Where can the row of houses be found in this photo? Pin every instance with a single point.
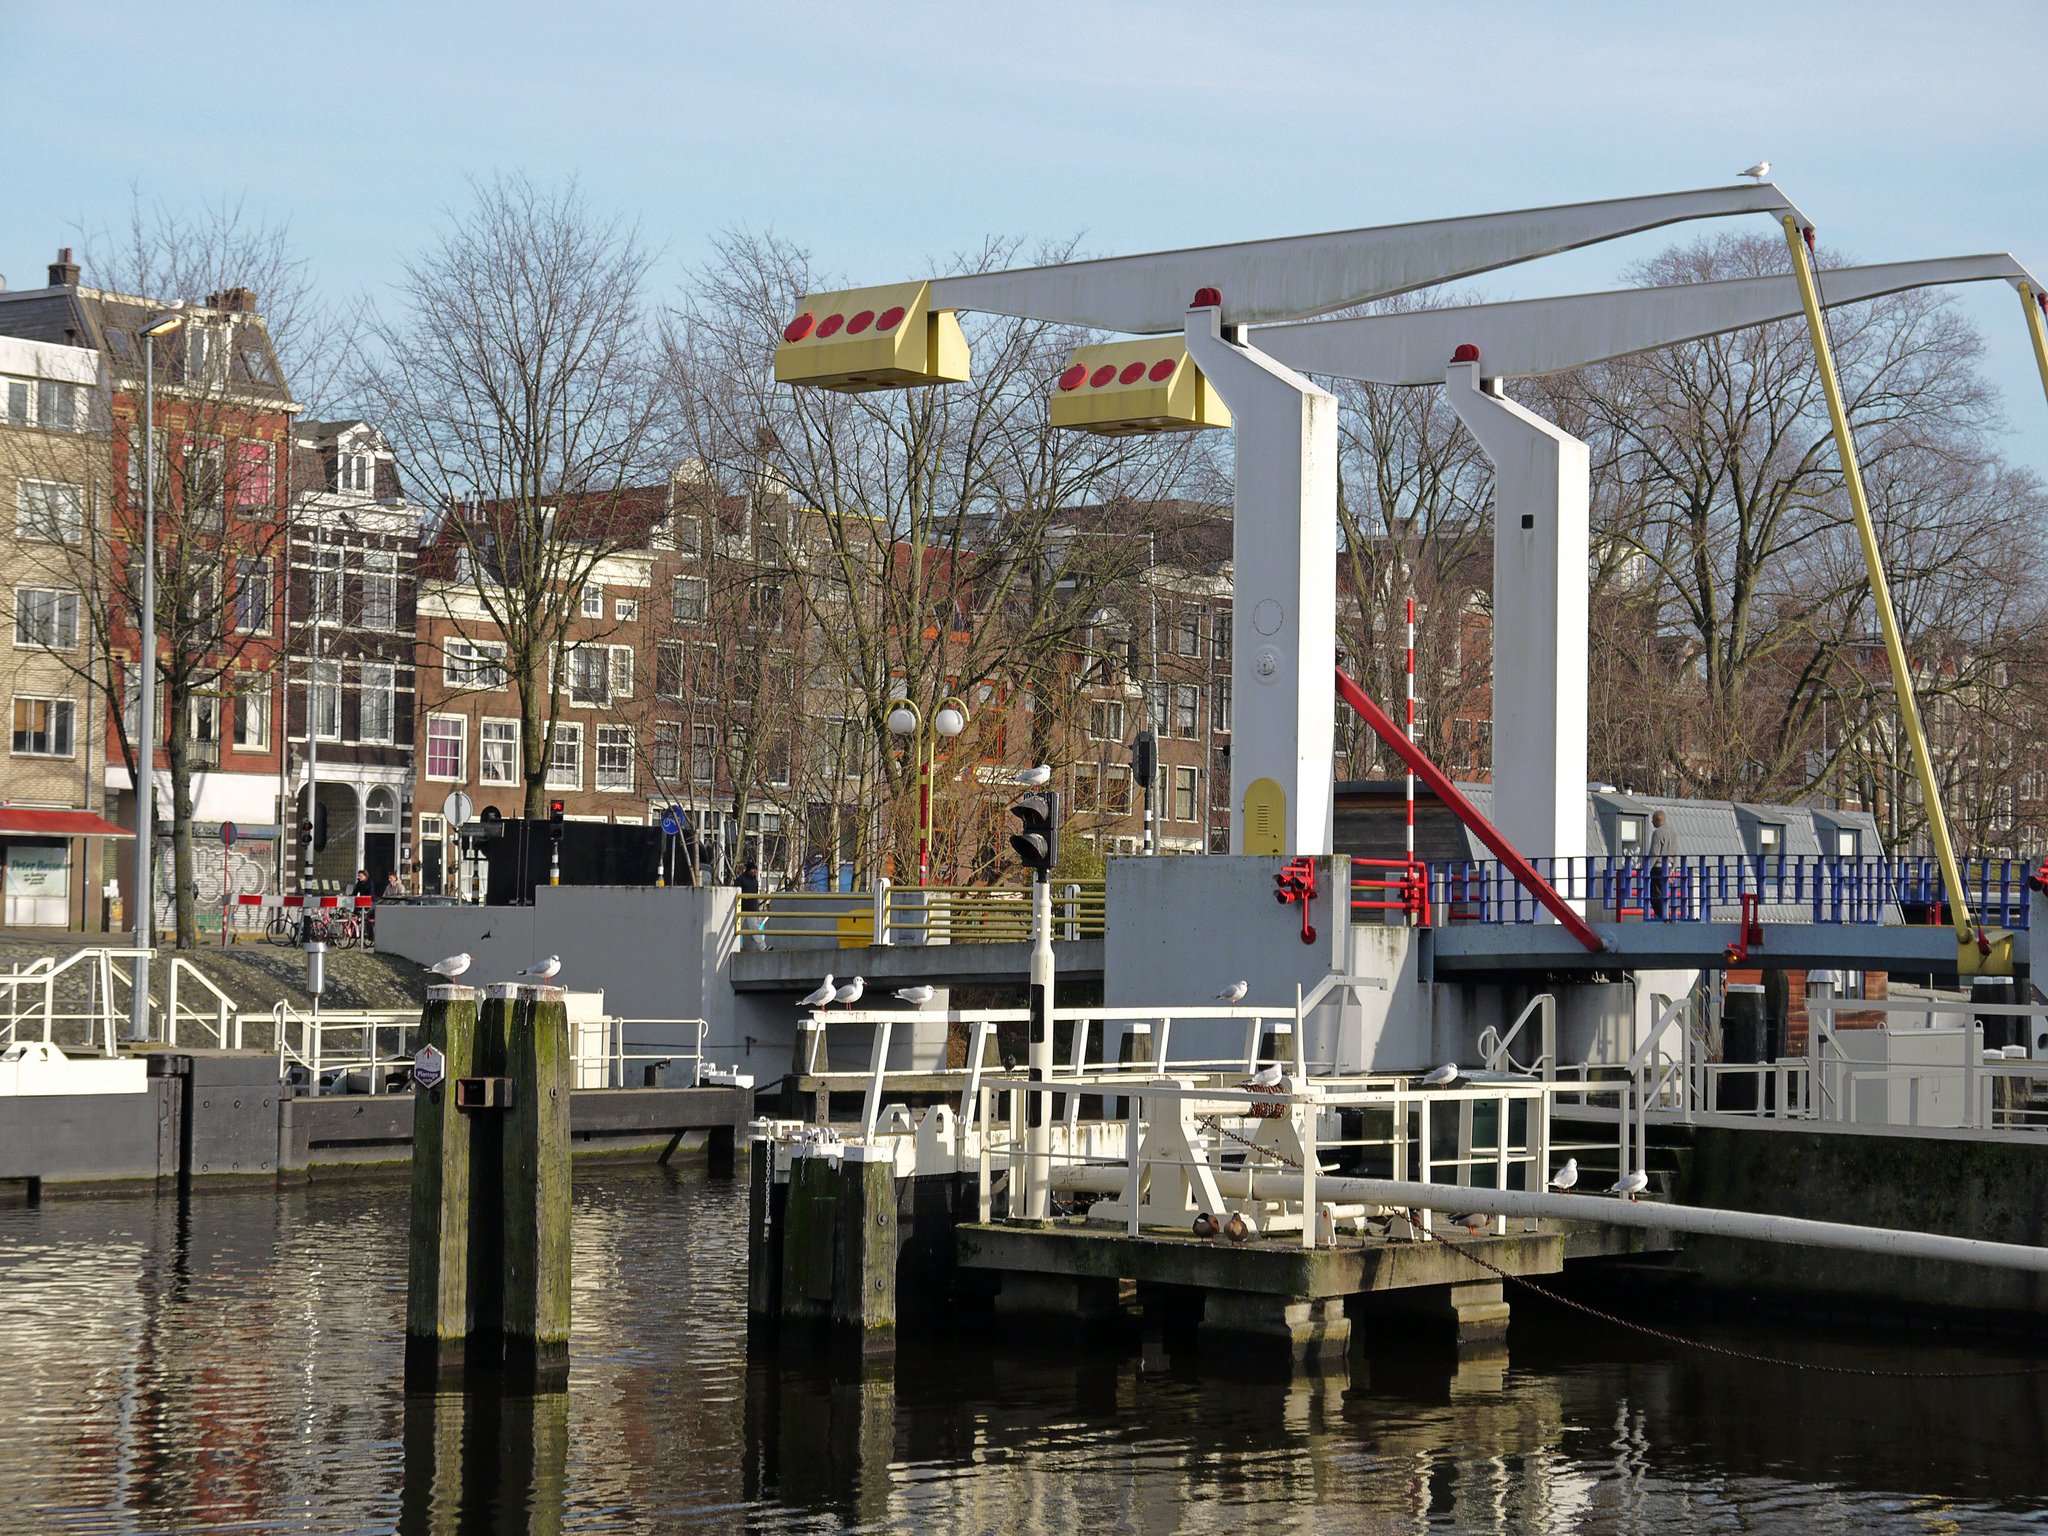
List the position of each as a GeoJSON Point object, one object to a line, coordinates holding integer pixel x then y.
{"type": "Point", "coordinates": [327, 659]}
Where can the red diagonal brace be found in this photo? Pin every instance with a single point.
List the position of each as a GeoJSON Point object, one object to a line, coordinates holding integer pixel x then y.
{"type": "Point", "coordinates": [1466, 812]}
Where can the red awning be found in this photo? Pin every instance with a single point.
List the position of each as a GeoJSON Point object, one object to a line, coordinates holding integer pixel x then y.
{"type": "Point", "coordinates": [15, 822]}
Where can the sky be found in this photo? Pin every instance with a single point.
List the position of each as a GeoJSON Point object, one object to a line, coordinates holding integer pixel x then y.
{"type": "Point", "coordinates": [885, 137]}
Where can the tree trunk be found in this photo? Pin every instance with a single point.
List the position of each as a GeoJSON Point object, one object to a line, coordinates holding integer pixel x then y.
{"type": "Point", "coordinates": [179, 749]}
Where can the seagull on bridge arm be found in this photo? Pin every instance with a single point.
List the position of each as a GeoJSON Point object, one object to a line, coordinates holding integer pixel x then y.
{"type": "Point", "coordinates": [917, 997]}
{"type": "Point", "coordinates": [851, 992]}
{"type": "Point", "coordinates": [1234, 993]}
{"type": "Point", "coordinates": [1566, 1176]}
{"type": "Point", "coordinates": [1630, 1184]}
{"type": "Point", "coordinates": [1441, 1077]}
{"type": "Point", "coordinates": [1757, 172]}
{"type": "Point", "coordinates": [1267, 1077]}
{"type": "Point", "coordinates": [819, 996]}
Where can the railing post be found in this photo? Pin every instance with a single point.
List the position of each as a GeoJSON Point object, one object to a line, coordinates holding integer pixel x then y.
{"type": "Point", "coordinates": [881, 919]}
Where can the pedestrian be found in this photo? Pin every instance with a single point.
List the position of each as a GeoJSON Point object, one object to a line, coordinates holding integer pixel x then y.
{"type": "Point", "coordinates": [367, 916]}
{"type": "Point", "coordinates": [817, 874]}
{"type": "Point", "coordinates": [753, 918]}
{"type": "Point", "coordinates": [1663, 845]}
{"type": "Point", "coordinates": [393, 886]}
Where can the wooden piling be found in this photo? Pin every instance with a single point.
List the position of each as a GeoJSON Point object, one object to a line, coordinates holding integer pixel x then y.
{"type": "Point", "coordinates": [810, 1212]}
{"type": "Point", "coordinates": [864, 1248]}
{"type": "Point", "coordinates": [766, 1213]}
{"type": "Point", "coordinates": [535, 1198]}
{"type": "Point", "coordinates": [437, 1302]}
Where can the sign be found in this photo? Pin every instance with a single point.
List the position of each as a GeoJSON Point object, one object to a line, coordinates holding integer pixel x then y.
{"type": "Point", "coordinates": [228, 834]}
{"type": "Point", "coordinates": [38, 869]}
{"type": "Point", "coordinates": [673, 821]}
{"type": "Point", "coordinates": [458, 807]}
{"type": "Point", "coordinates": [429, 1066]}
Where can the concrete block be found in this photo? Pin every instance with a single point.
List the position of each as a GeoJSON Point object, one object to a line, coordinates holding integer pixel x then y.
{"type": "Point", "coordinates": [1090, 1298]}
{"type": "Point", "coordinates": [1302, 1331]}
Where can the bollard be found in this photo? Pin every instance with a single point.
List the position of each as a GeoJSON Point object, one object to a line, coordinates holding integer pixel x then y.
{"type": "Point", "coordinates": [535, 1192]}
{"type": "Point", "coordinates": [437, 1310]}
{"type": "Point", "coordinates": [810, 1211]}
{"type": "Point", "coordinates": [864, 1248]}
{"type": "Point", "coordinates": [766, 1209]}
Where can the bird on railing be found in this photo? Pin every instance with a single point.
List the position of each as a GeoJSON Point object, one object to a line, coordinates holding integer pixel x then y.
{"type": "Point", "coordinates": [543, 970]}
{"type": "Point", "coordinates": [1630, 1184]}
{"type": "Point", "coordinates": [452, 967]}
{"type": "Point", "coordinates": [819, 995]}
{"type": "Point", "coordinates": [917, 997]}
{"type": "Point", "coordinates": [1567, 1176]}
{"type": "Point", "coordinates": [1234, 993]}
{"type": "Point", "coordinates": [1265, 1077]}
{"type": "Point", "coordinates": [851, 992]}
{"type": "Point", "coordinates": [1034, 777]}
{"type": "Point", "coordinates": [1441, 1077]}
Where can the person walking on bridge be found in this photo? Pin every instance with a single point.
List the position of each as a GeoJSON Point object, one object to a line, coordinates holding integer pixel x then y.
{"type": "Point", "coordinates": [1663, 846]}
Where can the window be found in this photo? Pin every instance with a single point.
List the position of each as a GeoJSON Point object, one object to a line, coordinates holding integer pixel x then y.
{"type": "Point", "coordinates": [1106, 721]}
{"type": "Point", "coordinates": [703, 744]}
{"type": "Point", "coordinates": [1222, 635]}
{"type": "Point", "coordinates": [1188, 633]}
{"type": "Point", "coordinates": [252, 596]}
{"type": "Point", "coordinates": [1628, 835]}
{"type": "Point", "coordinates": [590, 668]}
{"type": "Point", "coordinates": [1087, 786]}
{"type": "Point", "coordinates": [205, 357]}
{"type": "Point", "coordinates": [689, 599]}
{"type": "Point", "coordinates": [497, 752]}
{"type": "Point", "coordinates": [206, 484]}
{"type": "Point", "coordinates": [1116, 789]}
{"type": "Point", "coordinates": [686, 535]}
{"type": "Point", "coordinates": [1769, 839]}
{"type": "Point", "coordinates": [49, 509]}
{"type": "Point", "coordinates": [565, 766]}
{"type": "Point", "coordinates": [1187, 709]}
{"type": "Point", "coordinates": [615, 757]}
{"type": "Point", "coordinates": [622, 671]}
{"type": "Point", "coordinates": [668, 669]}
{"type": "Point", "coordinates": [380, 590]}
{"type": "Point", "coordinates": [1848, 843]}
{"type": "Point", "coordinates": [473, 664]}
{"type": "Point", "coordinates": [627, 610]}
{"type": "Point", "coordinates": [768, 605]}
{"type": "Point", "coordinates": [593, 601]}
{"type": "Point", "coordinates": [205, 727]}
{"type": "Point", "coordinates": [45, 618]}
{"type": "Point", "coordinates": [379, 701]}
{"type": "Point", "coordinates": [17, 402]}
{"type": "Point", "coordinates": [252, 486]}
{"type": "Point", "coordinates": [1183, 794]}
{"type": "Point", "coordinates": [327, 699]}
{"type": "Point", "coordinates": [447, 735]}
{"type": "Point", "coordinates": [56, 405]}
{"type": "Point", "coordinates": [326, 586]}
{"type": "Point", "coordinates": [1220, 716]}
{"type": "Point", "coordinates": [42, 727]}
{"type": "Point", "coordinates": [252, 720]}
{"type": "Point", "coordinates": [668, 752]}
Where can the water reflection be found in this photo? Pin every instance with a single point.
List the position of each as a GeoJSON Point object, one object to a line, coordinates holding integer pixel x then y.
{"type": "Point", "coordinates": [235, 1364]}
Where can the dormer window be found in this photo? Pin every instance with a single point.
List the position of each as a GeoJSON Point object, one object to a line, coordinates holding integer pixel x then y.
{"type": "Point", "coordinates": [354, 472]}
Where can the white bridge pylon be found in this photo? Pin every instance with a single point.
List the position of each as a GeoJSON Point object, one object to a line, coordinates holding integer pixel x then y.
{"type": "Point", "coordinates": [1284, 548]}
{"type": "Point", "coordinates": [1542, 506]}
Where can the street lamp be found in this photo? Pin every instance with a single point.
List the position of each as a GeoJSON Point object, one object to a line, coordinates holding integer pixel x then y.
{"type": "Point", "coordinates": [904, 719]}
{"type": "Point", "coordinates": [160, 324]}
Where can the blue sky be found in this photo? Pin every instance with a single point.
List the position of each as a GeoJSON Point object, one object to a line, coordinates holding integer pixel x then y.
{"type": "Point", "coordinates": [884, 136]}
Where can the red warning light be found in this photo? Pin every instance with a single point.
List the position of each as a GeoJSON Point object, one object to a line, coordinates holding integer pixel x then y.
{"type": "Point", "coordinates": [1102, 376]}
{"type": "Point", "coordinates": [1074, 376]}
{"type": "Point", "coordinates": [798, 328]}
{"type": "Point", "coordinates": [1163, 368]}
{"type": "Point", "coordinates": [1207, 298]}
{"type": "Point", "coordinates": [831, 326]}
{"type": "Point", "coordinates": [860, 322]}
{"type": "Point", "coordinates": [1466, 354]}
{"type": "Point", "coordinates": [891, 318]}
{"type": "Point", "coordinates": [1131, 374]}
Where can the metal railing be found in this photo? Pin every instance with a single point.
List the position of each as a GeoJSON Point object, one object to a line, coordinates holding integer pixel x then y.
{"type": "Point", "coordinates": [888, 913]}
{"type": "Point", "coordinates": [1710, 888]}
{"type": "Point", "coordinates": [32, 1000]}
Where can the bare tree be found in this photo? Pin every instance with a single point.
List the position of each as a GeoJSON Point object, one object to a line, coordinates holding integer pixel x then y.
{"type": "Point", "coordinates": [514, 383]}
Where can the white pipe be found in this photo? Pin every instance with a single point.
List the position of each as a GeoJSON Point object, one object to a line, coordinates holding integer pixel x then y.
{"type": "Point", "coordinates": [1749, 1226]}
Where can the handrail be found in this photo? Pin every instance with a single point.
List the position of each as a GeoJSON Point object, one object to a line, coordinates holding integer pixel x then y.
{"type": "Point", "coordinates": [1498, 1051]}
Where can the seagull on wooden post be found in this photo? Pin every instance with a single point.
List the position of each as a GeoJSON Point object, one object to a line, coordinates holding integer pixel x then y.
{"type": "Point", "coordinates": [452, 967]}
{"type": "Point", "coordinates": [820, 995]}
{"type": "Point", "coordinates": [543, 970]}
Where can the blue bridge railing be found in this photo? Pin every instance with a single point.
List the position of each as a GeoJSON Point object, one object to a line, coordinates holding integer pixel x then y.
{"type": "Point", "coordinates": [1698, 888]}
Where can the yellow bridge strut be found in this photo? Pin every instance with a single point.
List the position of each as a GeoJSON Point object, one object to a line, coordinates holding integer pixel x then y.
{"type": "Point", "coordinates": [1975, 951]}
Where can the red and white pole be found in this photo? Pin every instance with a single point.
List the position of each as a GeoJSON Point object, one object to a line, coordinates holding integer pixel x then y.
{"type": "Point", "coordinates": [1411, 742]}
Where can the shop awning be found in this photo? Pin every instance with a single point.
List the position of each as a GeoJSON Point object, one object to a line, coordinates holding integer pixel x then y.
{"type": "Point", "coordinates": [15, 822]}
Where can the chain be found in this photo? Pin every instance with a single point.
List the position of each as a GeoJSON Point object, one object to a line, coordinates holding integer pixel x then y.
{"type": "Point", "coordinates": [1215, 1123]}
{"type": "Point", "coordinates": [1415, 1224]}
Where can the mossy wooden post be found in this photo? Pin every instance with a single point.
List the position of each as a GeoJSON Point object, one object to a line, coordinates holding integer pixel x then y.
{"type": "Point", "coordinates": [490, 1059]}
{"type": "Point", "coordinates": [864, 1249]}
{"type": "Point", "coordinates": [437, 1297]}
{"type": "Point", "coordinates": [767, 1212]}
{"type": "Point", "coordinates": [810, 1212]}
{"type": "Point", "coordinates": [536, 1191]}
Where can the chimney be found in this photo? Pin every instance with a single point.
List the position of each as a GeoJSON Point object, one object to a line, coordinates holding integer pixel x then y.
{"type": "Point", "coordinates": [63, 271]}
{"type": "Point", "coordinates": [232, 301]}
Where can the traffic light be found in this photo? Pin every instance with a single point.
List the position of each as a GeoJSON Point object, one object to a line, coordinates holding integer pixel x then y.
{"type": "Point", "coordinates": [1038, 841]}
{"type": "Point", "coordinates": [305, 834]}
{"type": "Point", "coordinates": [557, 814]}
{"type": "Point", "coordinates": [319, 828]}
{"type": "Point", "coordinates": [1144, 760]}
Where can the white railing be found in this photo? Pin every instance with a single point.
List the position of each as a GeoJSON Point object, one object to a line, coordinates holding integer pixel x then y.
{"type": "Point", "coordinates": [32, 995]}
{"type": "Point", "coordinates": [224, 1018]}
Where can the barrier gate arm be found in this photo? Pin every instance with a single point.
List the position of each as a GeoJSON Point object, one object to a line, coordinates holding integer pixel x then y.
{"type": "Point", "coordinates": [2035, 303]}
{"type": "Point", "coordinates": [1967, 936]}
{"type": "Point", "coordinates": [1427, 771]}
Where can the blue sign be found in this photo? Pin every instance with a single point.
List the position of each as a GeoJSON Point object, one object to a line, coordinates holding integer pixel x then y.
{"type": "Point", "coordinates": [673, 821]}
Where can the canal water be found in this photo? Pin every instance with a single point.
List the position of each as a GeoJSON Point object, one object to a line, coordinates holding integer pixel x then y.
{"type": "Point", "coordinates": [233, 1365]}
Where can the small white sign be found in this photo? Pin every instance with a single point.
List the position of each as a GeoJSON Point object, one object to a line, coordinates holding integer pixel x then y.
{"type": "Point", "coordinates": [429, 1066]}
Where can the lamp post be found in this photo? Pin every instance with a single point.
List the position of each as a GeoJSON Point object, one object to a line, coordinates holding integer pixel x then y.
{"type": "Point", "coordinates": [161, 324]}
{"type": "Point", "coordinates": [948, 720]}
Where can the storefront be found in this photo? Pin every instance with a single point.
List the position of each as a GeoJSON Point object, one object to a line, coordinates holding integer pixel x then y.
{"type": "Point", "coordinates": [46, 874]}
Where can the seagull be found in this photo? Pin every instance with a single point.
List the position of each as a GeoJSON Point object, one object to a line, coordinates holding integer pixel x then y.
{"type": "Point", "coordinates": [916, 996]}
{"type": "Point", "coordinates": [454, 965]}
{"type": "Point", "coordinates": [1267, 1077]}
{"type": "Point", "coordinates": [543, 970]}
{"type": "Point", "coordinates": [850, 993]}
{"type": "Point", "coordinates": [1036, 776]}
{"type": "Point", "coordinates": [1629, 1185]}
{"type": "Point", "coordinates": [1234, 993]}
{"type": "Point", "coordinates": [1757, 172]}
{"type": "Point", "coordinates": [1474, 1223]}
{"type": "Point", "coordinates": [819, 996]}
{"type": "Point", "coordinates": [1442, 1076]}
{"type": "Point", "coordinates": [1567, 1176]}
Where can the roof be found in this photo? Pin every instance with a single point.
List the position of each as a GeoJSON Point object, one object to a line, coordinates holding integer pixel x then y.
{"type": "Point", "coordinates": [26, 823]}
